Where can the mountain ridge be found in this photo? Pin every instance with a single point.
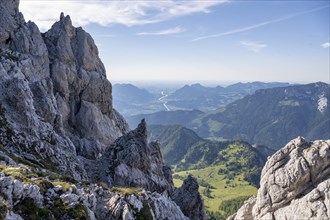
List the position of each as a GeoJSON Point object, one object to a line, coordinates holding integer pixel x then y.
{"type": "Point", "coordinates": [261, 118]}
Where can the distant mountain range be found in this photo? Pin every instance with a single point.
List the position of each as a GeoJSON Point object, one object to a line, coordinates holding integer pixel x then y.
{"type": "Point", "coordinates": [268, 117]}
{"type": "Point", "coordinates": [206, 99]}
{"type": "Point", "coordinates": [131, 100]}
{"type": "Point", "coordinates": [271, 117]}
{"type": "Point", "coordinates": [179, 117]}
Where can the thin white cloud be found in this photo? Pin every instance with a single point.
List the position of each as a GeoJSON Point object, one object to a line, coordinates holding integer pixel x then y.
{"type": "Point", "coordinates": [45, 13]}
{"type": "Point", "coordinates": [253, 46]}
{"type": "Point", "coordinates": [326, 45]}
{"type": "Point", "coordinates": [251, 27]}
{"type": "Point", "coordinates": [175, 30]}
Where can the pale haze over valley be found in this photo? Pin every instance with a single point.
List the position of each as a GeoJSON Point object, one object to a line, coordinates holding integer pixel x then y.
{"type": "Point", "coordinates": [223, 40]}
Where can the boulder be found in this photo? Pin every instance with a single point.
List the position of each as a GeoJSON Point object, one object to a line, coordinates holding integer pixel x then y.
{"type": "Point", "coordinates": [295, 184]}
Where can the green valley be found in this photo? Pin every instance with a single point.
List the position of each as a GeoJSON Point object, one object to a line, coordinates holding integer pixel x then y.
{"type": "Point", "coordinates": [228, 172]}
{"type": "Point", "coordinates": [217, 189]}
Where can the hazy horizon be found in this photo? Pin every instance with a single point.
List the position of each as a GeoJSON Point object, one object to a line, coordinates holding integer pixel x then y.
{"type": "Point", "coordinates": [209, 83]}
{"type": "Point", "coordinates": [216, 40]}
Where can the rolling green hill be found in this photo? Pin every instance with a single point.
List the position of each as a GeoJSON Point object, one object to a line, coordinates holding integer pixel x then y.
{"type": "Point", "coordinates": [176, 141]}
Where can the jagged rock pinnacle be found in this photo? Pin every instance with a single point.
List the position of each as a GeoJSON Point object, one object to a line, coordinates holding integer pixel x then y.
{"type": "Point", "coordinates": [142, 128]}
{"type": "Point", "coordinates": [189, 199]}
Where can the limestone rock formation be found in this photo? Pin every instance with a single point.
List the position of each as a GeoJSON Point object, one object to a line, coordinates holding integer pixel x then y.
{"type": "Point", "coordinates": [189, 199]}
{"type": "Point", "coordinates": [60, 137]}
{"type": "Point", "coordinates": [132, 161]}
{"type": "Point", "coordinates": [55, 97]}
{"type": "Point", "coordinates": [51, 199]}
{"type": "Point", "coordinates": [295, 184]}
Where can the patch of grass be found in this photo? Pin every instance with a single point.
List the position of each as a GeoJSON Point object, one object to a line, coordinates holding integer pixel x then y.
{"type": "Point", "coordinates": [22, 173]}
{"type": "Point", "coordinates": [58, 208]}
{"type": "Point", "coordinates": [60, 211]}
{"type": "Point", "coordinates": [44, 185]}
{"type": "Point", "coordinates": [79, 212]}
{"type": "Point", "coordinates": [127, 190]}
{"type": "Point", "coordinates": [27, 209]}
{"type": "Point", "coordinates": [43, 213]}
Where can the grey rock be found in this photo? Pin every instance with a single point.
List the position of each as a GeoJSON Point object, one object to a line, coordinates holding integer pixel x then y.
{"type": "Point", "coordinates": [52, 82]}
{"type": "Point", "coordinates": [12, 216]}
{"type": "Point", "coordinates": [8, 20]}
{"type": "Point", "coordinates": [135, 202]}
{"type": "Point", "coordinates": [189, 199]}
{"type": "Point", "coordinates": [245, 212]}
{"type": "Point", "coordinates": [6, 159]}
{"type": "Point", "coordinates": [295, 183]}
{"type": "Point", "coordinates": [82, 92]}
{"type": "Point", "coordinates": [70, 198]}
{"type": "Point", "coordinates": [131, 161]}
{"type": "Point", "coordinates": [164, 208]}
{"type": "Point", "coordinates": [14, 191]}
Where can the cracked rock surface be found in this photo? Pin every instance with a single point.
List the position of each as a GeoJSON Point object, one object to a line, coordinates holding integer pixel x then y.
{"type": "Point", "coordinates": [295, 184]}
{"type": "Point", "coordinates": [64, 150]}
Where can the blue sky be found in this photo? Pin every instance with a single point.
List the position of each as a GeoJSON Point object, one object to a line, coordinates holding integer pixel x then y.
{"type": "Point", "coordinates": [223, 40]}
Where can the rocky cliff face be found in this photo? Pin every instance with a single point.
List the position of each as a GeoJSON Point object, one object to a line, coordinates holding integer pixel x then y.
{"type": "Point", "coordinates": [54, 87]}
{"type": "Point", "coordinates": [64, 149]}
{"type": "Point", "coordinates": [295, 184]}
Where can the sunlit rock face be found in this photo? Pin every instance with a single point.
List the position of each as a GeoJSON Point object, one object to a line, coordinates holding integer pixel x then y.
{"type": "Point", "coordinates": [63, 147]}
{"type": "Point", "coordinates": [55, 95]}
{"type": "Point", "coordinates": [295, 184]}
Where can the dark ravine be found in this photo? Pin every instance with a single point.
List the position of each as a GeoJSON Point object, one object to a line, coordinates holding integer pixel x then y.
{"type": "Point", "coordinates": [65, 152]}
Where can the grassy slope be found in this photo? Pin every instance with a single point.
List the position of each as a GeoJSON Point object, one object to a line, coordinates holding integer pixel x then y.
{"type": "Point", "coordinates": [223, 191]}
{"type": "Point", "coordinates": [224, 166]}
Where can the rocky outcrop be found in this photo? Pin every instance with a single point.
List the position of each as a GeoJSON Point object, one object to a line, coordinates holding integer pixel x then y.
{"type": "Point", "coordinates": [45, 198]}
{"type": "Point", "coordinates": [132, 161]}
{"type": "Point", "coordinates": [189, 199]}
{"type": "Point", "coordinates": [82, 93]}
{"type": "Point", "coordinates": [295, 184]}
{"type": "Point", "coordinates": [60, 137]}
{"type": "Point", "coordinates": [55, 100]}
